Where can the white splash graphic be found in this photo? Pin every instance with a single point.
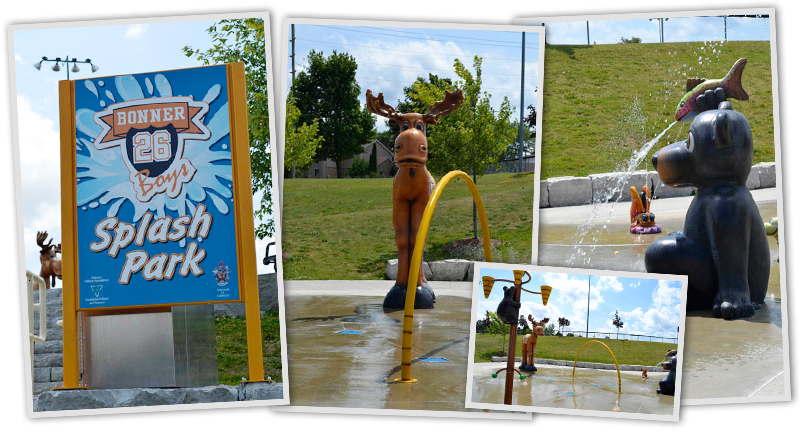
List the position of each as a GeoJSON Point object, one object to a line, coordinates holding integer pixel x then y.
{"type": "Point", "coordinates": [103, 175]}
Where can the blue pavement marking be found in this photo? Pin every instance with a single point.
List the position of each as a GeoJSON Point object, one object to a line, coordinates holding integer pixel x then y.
{"type": "Point", "coordinates": [434, 359]}
{"type": "Point", "coordinates": [350, 332]}
{"type": "Point", "coordinates": [570, 393]}
{"type": "Point", "coordinates": [596, 385]}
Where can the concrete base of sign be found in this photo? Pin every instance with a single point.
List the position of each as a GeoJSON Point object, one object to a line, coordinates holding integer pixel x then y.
{"type": "Point", "coordinates": [64, 400]}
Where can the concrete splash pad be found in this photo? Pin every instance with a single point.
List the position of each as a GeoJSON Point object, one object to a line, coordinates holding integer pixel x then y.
{"type": "Point", "coordinates": [357, 368]}
{"type": "Point", "coordinates": [722, 359]}
{"type": "Point", "coordinates": [591, 389]}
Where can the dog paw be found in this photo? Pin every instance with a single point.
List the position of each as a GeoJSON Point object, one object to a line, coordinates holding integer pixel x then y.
{"type": "Point", "coordinates": [732, 308]}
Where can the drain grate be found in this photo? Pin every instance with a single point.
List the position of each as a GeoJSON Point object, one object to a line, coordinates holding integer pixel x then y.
{"type": "Point", "coordinates": [350, 332]}
{"type": "Point", "coordinates": [434, 359]}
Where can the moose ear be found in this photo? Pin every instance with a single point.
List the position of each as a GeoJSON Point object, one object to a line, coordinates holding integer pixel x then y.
{"type": "Point", "coordinates": [723, 136]}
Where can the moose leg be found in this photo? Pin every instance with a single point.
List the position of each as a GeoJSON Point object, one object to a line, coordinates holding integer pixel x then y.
{"type": "Point", "coordinates": [396, 298]}
{"type": "Point", "coordinates": [524, 353]}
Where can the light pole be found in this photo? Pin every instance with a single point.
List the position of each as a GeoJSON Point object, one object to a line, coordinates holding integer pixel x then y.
{"type": "Point", "coordinates": [488, 282]}
{"type": "Point", "coordinates": [58, 61]}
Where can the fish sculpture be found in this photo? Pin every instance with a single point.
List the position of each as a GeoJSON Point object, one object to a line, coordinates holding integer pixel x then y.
{"type": "Point", "coordinates": [732, 84]}
{"type": "Point", "coordinates": [642, 220]}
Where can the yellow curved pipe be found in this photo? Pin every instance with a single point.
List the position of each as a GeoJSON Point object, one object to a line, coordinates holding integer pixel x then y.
{"type": "Point", "coordinates": [416, 261]}
{"type": "Point", "coordinates": [619, 375]}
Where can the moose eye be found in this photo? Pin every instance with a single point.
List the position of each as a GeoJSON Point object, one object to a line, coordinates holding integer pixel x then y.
{"type": "Point", "coordinates": [405, 126]}
{"type": "Point", "coordinates": [419, 126]}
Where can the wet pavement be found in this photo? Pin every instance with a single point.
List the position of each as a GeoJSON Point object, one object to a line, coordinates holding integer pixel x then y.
{"type": "Point", "coordinates": [357, 368]}
{"type": "Point", "coordinates": [722, 359]}
{"type": "Point", "coordinates": [591, 389]}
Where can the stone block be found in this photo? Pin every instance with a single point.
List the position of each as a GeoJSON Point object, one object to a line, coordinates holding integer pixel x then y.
{"type": "Point", "coordinates": [754, 179]}
{"type": "Point", "coordinates": [450, 269]}
{"type": "Point", "coordinates": [41, 374]}
{"type": "Point", "coordinates": [210, 394]}
{"type": "Point", "coordinates": [260, 391]}
{"type": "Point", "coordinates": [569, 191]}
{"type": "Point", "coordinates": [50, 346]}
{"type": "Point", "coordinates": [663, 191]}
{"type": "Point", "coordinates": [48, 360]}
{"type": "Point", "coordinates": [41, 387]}
{"type": "Point", "coordinates": [391, 270]}
{"type": "Point", "coordinates": [544, 196]}
{"type": "Point", "coordinates": [471, 271]}
{"type": "Point", "coordinates": [56, 374]}
{"type": "Point", "coordinates": [610, 187]}
{"type": "Point", "coordinates": [767, 174]}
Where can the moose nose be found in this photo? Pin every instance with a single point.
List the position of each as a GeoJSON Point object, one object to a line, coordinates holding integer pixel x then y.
{"type": "Point", "coordinates": [655, 161]}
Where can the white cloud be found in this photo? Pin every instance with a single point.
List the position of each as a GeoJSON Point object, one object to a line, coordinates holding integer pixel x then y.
{"type": "Point", "coordinates": [19, 59]}
{"type": "Point", "coordinates": [609, 283]}
{"type": "Point", "coordinates": [39, 170]}
{"type": "Point", "coordinates": [135, 31]}
{"type": "Point", "coordinates": [573, 291]}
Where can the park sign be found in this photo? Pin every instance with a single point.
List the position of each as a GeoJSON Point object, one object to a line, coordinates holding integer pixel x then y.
{"type": "Point", "coordinates": [156, 202]}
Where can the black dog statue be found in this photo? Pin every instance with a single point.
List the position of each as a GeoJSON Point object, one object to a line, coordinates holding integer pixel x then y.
{"type": "Point", "coordinates": [667, 385]}
{"type": "Point", "coordinates": [508, 309]}
{"type": "Point", "coordinates": [723, 246]}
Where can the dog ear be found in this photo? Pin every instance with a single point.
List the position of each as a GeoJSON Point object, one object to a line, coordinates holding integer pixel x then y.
{"type": "Point", "coordinates": [723, 136]}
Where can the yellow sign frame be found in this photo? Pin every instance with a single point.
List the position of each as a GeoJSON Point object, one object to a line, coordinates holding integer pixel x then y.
{"type": "Point", "coordinates": [245, 229]}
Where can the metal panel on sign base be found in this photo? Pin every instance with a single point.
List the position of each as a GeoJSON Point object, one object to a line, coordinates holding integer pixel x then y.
{"type": "Point", "coordinates": [129, 351]}
{"type": "Point", "coordinates": [195, 346]}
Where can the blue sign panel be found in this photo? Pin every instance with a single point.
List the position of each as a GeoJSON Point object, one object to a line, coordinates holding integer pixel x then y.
{"type": "Point", "coordinates": [155, 213]}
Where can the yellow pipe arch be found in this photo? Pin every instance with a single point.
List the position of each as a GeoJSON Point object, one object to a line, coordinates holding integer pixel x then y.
{"type": "Point", "coordinates": [416, 261]}
{"type": "Point", "coordinates": [619, 375]}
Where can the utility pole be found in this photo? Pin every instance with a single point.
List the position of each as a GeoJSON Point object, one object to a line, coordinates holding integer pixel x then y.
{"type": "Point", "coordinates": [292, 87]}
{"type": "Point", "coordinates": [587, 33]}
{"type": "Point", "coordinates": [588, 296]}
{"type": "Point", "coordinates": [725, 20]}
{"type": "Point", "coordinates": [293, 70]}
{"type": "Point", "coordinates": [522, 108]}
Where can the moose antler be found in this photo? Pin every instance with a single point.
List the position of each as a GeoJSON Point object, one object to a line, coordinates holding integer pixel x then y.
{"type": "Point", "coordinates": [451, 101]}
{"type": "Point", "coordinates": [41, 236]}
{"type": "Point", "coordinates": [381, 108]}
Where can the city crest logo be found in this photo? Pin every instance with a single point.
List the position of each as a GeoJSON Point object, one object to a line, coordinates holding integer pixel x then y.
{"type": "Point", "coordinates": [151, 134]}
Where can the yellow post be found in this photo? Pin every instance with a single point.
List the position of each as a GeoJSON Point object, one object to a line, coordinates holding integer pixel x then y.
{"type": "Point", "coordinates": [416, 261]}
{"type": "Point", "coordinates": [240, 161]}
{"type": "Point", "coordinates": [69, 233]}
{"type": "Point", "coordinates": [619, 375]}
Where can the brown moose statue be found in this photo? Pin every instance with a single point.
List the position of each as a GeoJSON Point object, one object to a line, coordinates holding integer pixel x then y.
{"type": "Point", "coordinates": [50, 259]}
{"type": "Point", "coordinates": [411, 189]}
{"type": "Point", "coordinates": [529, 344]}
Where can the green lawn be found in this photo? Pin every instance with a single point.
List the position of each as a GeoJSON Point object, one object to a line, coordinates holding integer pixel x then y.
{"type": "Point", "coordinates": [566, 348]}
{"type": "Point", "coordinates": [232, 347]}
{"type": "Point", "coordinates": [591, 120]}
{"type": "Point", "coordinates": [342, 228]}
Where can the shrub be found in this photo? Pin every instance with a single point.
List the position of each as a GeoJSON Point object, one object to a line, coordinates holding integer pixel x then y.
{"type": "Point", "coordinates": [359, 168]}
{"type": "Point", "coordinates": [570, 335]}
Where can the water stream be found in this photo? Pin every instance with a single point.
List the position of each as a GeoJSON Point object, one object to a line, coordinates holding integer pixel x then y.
{"type": "Point", "coordinates": [587, 230]}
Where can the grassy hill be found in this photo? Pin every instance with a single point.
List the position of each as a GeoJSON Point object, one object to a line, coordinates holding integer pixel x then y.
{"type": "Point", "coordinates": [603, 101]}
{"type": "Point", "coordinates": [566, 348]}
{"type": "Point", "coordinates": [342, 228]}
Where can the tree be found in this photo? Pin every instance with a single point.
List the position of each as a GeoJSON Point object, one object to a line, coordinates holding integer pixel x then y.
{"type": "Point", "coordinates": [524, 328]}
{"type": "Point", "coordinates": [301, 140]}
{"type": "Point", "coordinates": [633, 39]}
{"type": "Point", "coordinates": [327, 90]}
{"type": "Point", "coordinates": [373, 159]}
{"type": "Point", "coordinates": [550, 330]}
{"type": "Point", "coordinates": [617, 322]}
{"type": "Point", "coordinates": [563, 322]}
{"type": "Point", "coordinates": [498, 327]}
{"type": "Point", "coordinates": [242, 40]}
{"type": "Point", "coordinates": [473, 137]}
{"type": "Point", "coordinates": [359, 168]}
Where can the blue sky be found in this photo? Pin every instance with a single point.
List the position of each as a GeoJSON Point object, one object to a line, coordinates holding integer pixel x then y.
{"type": "Point", "coordinates": [120, 49]}
{"type": "Point", "coordinates": [678, 29]}
{"type": "Point", "coordinates": [390, 58]}
{"type": "Point", "coordinates": [646, 306]}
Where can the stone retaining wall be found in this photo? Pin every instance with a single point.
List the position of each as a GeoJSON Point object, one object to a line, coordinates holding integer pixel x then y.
{"type": "Point", "coordinates": [608, 187]}
{"type": "Point", "coordinates": [445, 270]}
{"type": "Point", "coordinates": [586, 365]}
{"type": "Point", "coordinates": [116, 398]}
